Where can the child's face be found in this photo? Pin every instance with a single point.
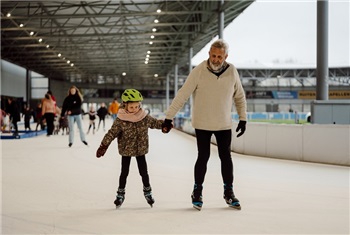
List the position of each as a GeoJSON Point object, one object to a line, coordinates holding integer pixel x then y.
{"type": "Point", "coordinates": [133, 107]}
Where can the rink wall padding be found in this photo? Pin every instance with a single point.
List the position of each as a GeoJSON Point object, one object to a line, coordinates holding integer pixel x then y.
{"type": "Point", "coordinates": [318, 143]}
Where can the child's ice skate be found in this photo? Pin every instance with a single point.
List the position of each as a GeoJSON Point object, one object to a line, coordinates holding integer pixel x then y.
{"type": "Point", "coordinates": [120, 197]}
{"type": "Point", "coordinates": [147, 191]}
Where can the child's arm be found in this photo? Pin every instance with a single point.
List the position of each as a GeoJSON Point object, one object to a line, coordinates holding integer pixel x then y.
{"type": "Point", "coordinates": [101, 150]}
{"type": "Point", "coordinates": [108, 138]}
{"type": "Point", "coordinates": [154, 123]}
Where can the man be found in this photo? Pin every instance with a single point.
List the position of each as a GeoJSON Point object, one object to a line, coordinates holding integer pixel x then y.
{"type": "Point", "coordinates": [113, 108]}
{"type": "Point", "coordinates": [214, 84]}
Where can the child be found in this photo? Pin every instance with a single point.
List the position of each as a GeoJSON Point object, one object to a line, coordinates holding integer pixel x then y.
{"type": "Point", "coordinates": [92, 116]}
{"type": "Point", "coordinates": [131, 129]}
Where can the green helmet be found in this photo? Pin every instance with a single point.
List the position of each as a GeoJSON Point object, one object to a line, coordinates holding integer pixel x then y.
{"type": "Point", "coordinates": [131, 95]}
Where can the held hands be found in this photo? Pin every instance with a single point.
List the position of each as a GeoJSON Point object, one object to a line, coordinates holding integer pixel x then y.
{"type": "Point", "coordinates": [167, 125]}
{"type": "Point", "coordinates": [241, 127]}
{"type": "Point", "coordinates": [101, 150]}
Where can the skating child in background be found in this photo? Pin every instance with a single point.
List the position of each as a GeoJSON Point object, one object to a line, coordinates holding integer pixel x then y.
{"type": "Point", "coordinates": [131, 129]}
{"type": "Point", "coordinates": [92, 117]}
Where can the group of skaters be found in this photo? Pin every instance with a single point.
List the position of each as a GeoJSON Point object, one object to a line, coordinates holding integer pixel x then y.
{"type": "Point", "coordinates": [101, 113]}
{"type": "Point", "coordinates": [43, 115]}
{"type": "Point", "coordinates": [48, 116]}
{"type": "Point", "coordinates": [214, 84]}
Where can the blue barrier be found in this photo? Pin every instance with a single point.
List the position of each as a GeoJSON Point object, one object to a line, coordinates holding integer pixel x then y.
{"type": "Point", "coordinates": [22, 134]}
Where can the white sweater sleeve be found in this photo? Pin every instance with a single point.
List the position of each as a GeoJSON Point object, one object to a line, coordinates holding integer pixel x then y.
{"type": "Point", "coordinates": [182, 95]}
{"type": "Point", "coordinates": [239, 99]}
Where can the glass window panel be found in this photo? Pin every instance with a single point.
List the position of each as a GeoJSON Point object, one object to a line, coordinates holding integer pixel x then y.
{"type": "Point", "coordinates": [40, 83]}
{"type": "Point", "coordinates": [38, 93]}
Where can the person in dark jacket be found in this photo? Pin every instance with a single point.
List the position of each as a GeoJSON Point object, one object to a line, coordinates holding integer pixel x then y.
{"type": "Point", "coordinates": [131, 129]}
{"type": "Point", "coordinates": [72, 108]}
{"type": "Point", "coordinates": [102, 113]}
{"type": "Point", "coordinates": [28, 113]}
{"type": "Point", "coordinates": [15, 115]}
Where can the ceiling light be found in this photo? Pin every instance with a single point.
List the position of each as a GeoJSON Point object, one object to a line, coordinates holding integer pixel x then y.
{"type": "Point", "coordinates": [124, 73]}
{"type": "Point", "coordinates": [156, 21]}
{"type": "Point", "coordinates": [59, 54]}
{"type": "Point", "coordinates": [40, 40]}
{"type": "Point", "coordinates": [47, 46]}
{"type": "Point", "coordinates": [155, 75]}
{"type": "Point", "coordinates": [68, 61]}
{"type": "Point", "coordinates": [146, 62]}
{"type": "Point", "coordinates": [72, 65]}
{"type": "Point", "coordinates": [21, 25]}
{"type": "Point", "coordinates": [8, 14]}
{"type": "Point", "coordinates": [146, 59]}
{"type": "Point", "coordinates": [154, 30]}
{"type": "Point", "coordinates": [31, 33]}
{"type": "Point", "coordinates": [147, 56]}
{"type": "Point", "coordinates": [152, 36]}
{"type": "Point", "coordinates": [159, 11]}
{"type": "Point", "coordinates": [148, 52]}
{"type": "Point", "coordinates": [150, 43]}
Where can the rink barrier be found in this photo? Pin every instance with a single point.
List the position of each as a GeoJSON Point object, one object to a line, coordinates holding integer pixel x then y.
{"type": "Point", "coordinates": [317, 143]}
{"type": "Point", "coordinates": [21, 135]}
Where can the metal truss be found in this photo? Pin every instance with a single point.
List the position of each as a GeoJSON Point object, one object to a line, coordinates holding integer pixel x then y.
{"type": "Point", "coordinates": [98, 41]}
{"type": "Point", "coordinates": [292, 77]}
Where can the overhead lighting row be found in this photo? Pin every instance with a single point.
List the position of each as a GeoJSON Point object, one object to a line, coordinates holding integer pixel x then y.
{"type": "Point", "coordinates": [148, 54]}
{"type": "Point", "coordinates": [40, 40]}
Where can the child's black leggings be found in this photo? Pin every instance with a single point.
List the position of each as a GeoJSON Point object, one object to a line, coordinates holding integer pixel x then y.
{"type": "Point", "coordinates": [142, 165]}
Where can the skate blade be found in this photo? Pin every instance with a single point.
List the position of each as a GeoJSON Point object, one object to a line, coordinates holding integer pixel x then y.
{"type": "Point", "coordinates": [150, 203]}
{"type": "Point", "coordinates": [237, 207]}
{"type": "Point", "coordinates": [197, 206]}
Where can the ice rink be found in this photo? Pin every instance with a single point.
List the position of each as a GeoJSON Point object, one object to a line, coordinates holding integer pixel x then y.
{"type": "Point", "coordinates": [49, 188]}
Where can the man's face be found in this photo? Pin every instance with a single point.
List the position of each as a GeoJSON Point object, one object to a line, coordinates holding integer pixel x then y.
{"type": "Point", "coordinates": [217, 58]}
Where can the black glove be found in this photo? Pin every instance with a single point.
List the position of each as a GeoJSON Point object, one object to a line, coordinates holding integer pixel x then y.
{"type": "Point", "coordinates": [167, 125]}
{"type": "Point", "coordinates": [241, 126]}
{"type": "Point", "coordinates": [101, 150]}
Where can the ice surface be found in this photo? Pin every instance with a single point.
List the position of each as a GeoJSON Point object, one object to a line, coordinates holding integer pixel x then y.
{"type": "Point", "coordinates": [49, 188]}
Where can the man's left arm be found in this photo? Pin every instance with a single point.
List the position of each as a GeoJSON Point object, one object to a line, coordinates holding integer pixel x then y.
{"type": "Point", "coordinates": [241, 106]}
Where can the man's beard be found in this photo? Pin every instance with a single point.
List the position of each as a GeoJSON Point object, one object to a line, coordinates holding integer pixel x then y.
{"type": "Point", "coordinates": [215, 67]}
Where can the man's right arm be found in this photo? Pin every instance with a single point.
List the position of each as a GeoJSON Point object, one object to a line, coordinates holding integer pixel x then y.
{"type": "Point", "coordinates": [182, 96]}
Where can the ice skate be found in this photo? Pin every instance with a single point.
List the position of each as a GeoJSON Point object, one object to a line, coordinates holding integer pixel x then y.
{"type": "Point", "coordinates": [119, 198]}
{"type": "Point", "coordinates": [147, 191]}
{"type": "Point", "coordinates": [230, 198]}
{"type": "Point", "coordinates": [196, 196]}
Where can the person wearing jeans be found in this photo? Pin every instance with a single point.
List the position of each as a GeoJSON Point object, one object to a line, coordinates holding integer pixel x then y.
{"type": "Point", "coordinates": [75, 119]}
{"type": "Point", "coordinates": [72, 108]}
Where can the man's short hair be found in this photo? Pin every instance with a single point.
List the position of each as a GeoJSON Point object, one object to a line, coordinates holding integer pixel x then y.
{"type": "Point", "coordinates": [221, 44]}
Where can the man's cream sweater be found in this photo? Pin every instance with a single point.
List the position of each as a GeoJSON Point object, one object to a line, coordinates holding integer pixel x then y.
{"type": "Point", "coordinates": [213, 98]}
